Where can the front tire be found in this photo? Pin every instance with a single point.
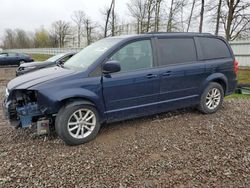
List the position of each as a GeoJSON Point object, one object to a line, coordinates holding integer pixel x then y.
{"type": "Point", "coordinates": [77, 124]}
{"type": "Point", "coordinates": [211, 98]}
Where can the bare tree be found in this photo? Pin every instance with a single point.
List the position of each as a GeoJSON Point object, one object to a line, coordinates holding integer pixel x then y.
{"type": "Point", "coordinates": [138, 11]}
{"type": "Point", "coordinates": [175, 20]}
{"type": "Point", "coordinates": [191, 15]}
{"type": "Point", "coordinates": [110, 19]}
{"type": "Point", "coordinates": [9, 39]}
{"type": "Point", "coordinates": [107, 14]}
{"type": "Point", "coordinates": [150, 5]}
{"type": "Point", "coordinates": [17, 38]}
{"type": "Point", "coordinates": [201, 15]}
{"type": "Point", "coordinates": [89, 27]}
{"type": "Point", "coordinates": [235, 19]}
{"type": "Point", "coordinates": [218, 16]}
{"type": "Point", "coordinates": [170, 17]}
{"type": "Point", "coordinates": [61, 30]}
{"type": "Point", "coordinates": [157, 14]}
{"type": "Point", "coordinates": [78, 17]}
{"type": "Point", "coordinates": [113, 18]}
{"type": "Point", "coordinates": [53, 40]}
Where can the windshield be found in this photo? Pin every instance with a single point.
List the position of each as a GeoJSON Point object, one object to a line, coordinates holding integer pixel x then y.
{"type": "Point", "coordinates": [55, 58]}
{"type": "Point", "coordinates": [87, 56]}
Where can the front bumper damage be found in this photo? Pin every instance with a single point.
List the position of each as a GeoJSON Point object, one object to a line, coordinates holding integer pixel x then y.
{"type": "Point", "coordinates": [22, 110]}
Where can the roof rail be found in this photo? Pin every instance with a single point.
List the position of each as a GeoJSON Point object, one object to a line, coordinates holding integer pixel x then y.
{"type": "Point", "coordinates": [191, 33]}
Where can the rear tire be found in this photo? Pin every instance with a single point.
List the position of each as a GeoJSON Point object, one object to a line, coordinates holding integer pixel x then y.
{"type": "Point", "coordinates": [211, 98]}
{"type": "Point", "coordinates": [77, 124]}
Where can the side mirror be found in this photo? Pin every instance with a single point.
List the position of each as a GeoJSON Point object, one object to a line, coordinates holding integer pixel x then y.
{"type": "Point", "coordinates": [111, 67]}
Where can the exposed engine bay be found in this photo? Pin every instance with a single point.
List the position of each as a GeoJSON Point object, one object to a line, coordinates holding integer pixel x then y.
{"type": "Point", "coordinates": [24, 111]}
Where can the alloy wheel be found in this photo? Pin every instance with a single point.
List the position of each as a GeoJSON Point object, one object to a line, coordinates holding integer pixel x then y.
{"type": "Point", "coordinates": [213, 98]}
{"type": "Point", "coordinates": [81, 123]}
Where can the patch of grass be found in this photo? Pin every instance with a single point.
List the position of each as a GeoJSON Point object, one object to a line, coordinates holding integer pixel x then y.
{"type": "Point", "coordinates": [238, 96]}
{"type": "Point", "coordinates": [244, 76]}
{"type": "Point", "coordinates": [40, 57]}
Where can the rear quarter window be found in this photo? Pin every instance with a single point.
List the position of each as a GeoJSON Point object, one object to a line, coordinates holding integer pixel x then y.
{"type": "Point", "coordinates": [213, 48]}
{"type": "Point", "coordinates": [176, 50]}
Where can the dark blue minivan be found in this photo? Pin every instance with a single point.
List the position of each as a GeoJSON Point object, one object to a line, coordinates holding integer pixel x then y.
{"type": "Point", "coordinates": [123, 77]}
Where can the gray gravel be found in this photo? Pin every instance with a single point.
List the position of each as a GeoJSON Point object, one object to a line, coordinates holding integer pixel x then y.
{"type": "Point", "coordinates": [176, 149]}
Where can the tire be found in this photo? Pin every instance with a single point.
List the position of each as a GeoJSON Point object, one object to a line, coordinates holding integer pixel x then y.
{"type": "Point", "coordinates": [69, 127]}
{"type": "Point", "coordinates": [211, 98]}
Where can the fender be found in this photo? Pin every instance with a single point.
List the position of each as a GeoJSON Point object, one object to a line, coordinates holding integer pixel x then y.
{"type": "Point", "coordinates": [81, 101]}
{"type": "Point", "coordinates": [79, 94]}
{"type": "Point", "coordinates": [214, 77]}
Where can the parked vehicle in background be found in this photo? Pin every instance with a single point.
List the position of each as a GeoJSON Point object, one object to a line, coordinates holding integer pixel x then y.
{"type": "Point", "coordinates": [58, 59]}
{"type": "Point", "coordinates": [124, 77]}
{"type": "Point", "coordinates": [14, 58]}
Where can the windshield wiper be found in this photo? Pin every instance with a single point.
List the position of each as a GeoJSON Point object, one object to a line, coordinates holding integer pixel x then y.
{"type": "Point", "coordinates": [60, 65]}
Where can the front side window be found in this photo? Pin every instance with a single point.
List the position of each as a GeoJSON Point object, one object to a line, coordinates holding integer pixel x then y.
{"type": "Point", "coordinates": [176, 50]}
{"type": "Point", "coordinates": [134, 56]}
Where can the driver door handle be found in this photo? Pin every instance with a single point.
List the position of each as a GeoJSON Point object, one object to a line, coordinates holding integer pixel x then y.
{"type": "Point", "coordinates": [151, 76]}
{"type": "Point", "coordinates": [168, 73]}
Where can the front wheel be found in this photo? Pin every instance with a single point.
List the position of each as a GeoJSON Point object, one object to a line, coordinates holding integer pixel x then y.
{"type": "Point", "coordinates": [211, 98]}
{"type": "Point", "coordinates": [77, 124]}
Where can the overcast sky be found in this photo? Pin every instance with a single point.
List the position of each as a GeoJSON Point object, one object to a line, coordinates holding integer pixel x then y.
{"type": "Point", "coordinates": [32, 14]}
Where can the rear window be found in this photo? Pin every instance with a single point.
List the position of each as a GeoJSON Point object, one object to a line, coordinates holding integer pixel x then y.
{"type": "Point", "coordinates": [213, 48]}
{"type": "Point", "coordinates": [176, 50]}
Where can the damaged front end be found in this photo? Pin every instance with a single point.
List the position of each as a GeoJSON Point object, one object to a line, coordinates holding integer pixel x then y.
{"type": "Point", "coordinates": [22, 109]}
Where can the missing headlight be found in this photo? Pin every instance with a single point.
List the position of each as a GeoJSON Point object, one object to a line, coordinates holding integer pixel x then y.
{"type": "Point", "coordinates": [24, 97]}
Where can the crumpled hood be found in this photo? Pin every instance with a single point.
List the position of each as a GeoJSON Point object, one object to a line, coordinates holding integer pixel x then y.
{"type": "Point", "coordinates": [34, 78]}
{"type": "Point", "coordinates": [37, 64]}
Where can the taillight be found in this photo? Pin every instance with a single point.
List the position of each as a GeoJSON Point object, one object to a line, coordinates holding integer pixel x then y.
{"type": "Point", "coordinates": [236, 67]}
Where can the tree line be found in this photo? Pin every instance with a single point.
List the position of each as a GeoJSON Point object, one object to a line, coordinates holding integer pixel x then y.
{"type": "Point", "coordinates": [229, 18]}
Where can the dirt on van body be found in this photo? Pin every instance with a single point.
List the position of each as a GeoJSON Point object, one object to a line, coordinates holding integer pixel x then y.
{"type": "Point", "coordinates": [183, 148]}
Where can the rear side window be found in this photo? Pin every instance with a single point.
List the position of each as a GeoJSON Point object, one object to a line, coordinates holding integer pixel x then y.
{"type": "Point", "coordinates": [213, 48]}
{"type": "Point", "coordinates": [176, 50]}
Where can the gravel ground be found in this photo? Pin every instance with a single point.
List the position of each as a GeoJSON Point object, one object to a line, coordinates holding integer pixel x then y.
{"type": "Point", "coordinates": [176, 149]}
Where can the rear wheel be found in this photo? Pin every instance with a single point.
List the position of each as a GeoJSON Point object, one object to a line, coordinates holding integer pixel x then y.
{"type": "Point", "coordinates": [211, 98]}
{"type": "Point", "coordinates": [77, 124]}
